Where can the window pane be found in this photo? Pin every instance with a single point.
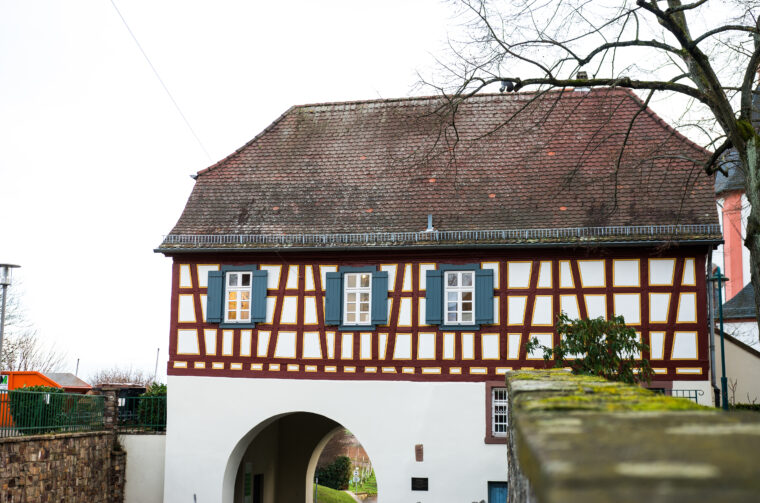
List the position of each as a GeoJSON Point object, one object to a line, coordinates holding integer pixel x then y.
{"type": "Point", "coordinates": [364, 308]}
{"type": "Point", "coordinates": [451, 317]}
{"type": "Point", "coordinates": [232, 295]}
{"type": "Point", "coordinates": [365, 280]}
{"type": "Point", "coordinates": [351, 307]}
{"type": "Point", "coordinates": [364, 297]}
{"type": "Point", "coordinates": [466, 279]}
{"type": "Point", "coordinates": [351, 317]}
{"type": "Point", "coordinates": [233, 279]}
{"type": "Point", "coordinates": [452, 306]}
{"type": "Point", "coordinates": [466, 316]}
{"type": "Point", "coordinates": [245, 305]}
{"type": "Point", "coordinates": [232, 315]}
{"type": "Point", "coordinates": [246, 279]}
{"type": "Point", "coordinates": [231, 305]}
{"type": "Point", "coordinates": [243, 315]}
{"type": "Point", "coordinates": [466, 295]}
{"type": "Point", "coordinates": [245, 295]}
{"type": "Point", "coordinates": [351, 297]}
{"type": "Point", "coordinates": [451, 279]}
{"type": "Point", "coordinates": [452, 296]}
{"type": "Point", "coordinates": [364, 318]}
{"type": "Point", "coordinates": [467, 306]}
{"type": "Point", "coordinates": [351, 280]}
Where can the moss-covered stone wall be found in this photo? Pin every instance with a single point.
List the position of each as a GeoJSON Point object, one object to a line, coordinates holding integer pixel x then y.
{"type": "Point", "coordinates": [584, 439]}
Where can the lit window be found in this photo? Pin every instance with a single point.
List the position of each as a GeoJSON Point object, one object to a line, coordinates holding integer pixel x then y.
{"type": "Point", "coordinates": [459, 299]}
{"type": "Point", "coordinates": [237, 295]}
{"type": "Point", "coordinates": [499, 412]}
{"type": "Point", "coordinates": [357, 298]}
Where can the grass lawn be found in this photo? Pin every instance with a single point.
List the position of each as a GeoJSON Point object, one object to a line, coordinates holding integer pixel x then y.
{"type": "Point", "coordinates": [327, 495]}
{"type": "Point", "coordinates": [369, 486]}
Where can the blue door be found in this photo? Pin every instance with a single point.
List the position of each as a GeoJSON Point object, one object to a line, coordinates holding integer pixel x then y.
{"type": "Point", "coordinates": [497, 492]}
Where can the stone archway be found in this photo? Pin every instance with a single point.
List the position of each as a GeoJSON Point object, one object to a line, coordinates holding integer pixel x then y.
{"type": "Point", "coordinates": [277, 460]}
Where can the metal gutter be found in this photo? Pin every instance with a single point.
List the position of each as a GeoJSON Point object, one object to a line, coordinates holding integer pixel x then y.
{"type": "Point", "coordinates": [572, 244]}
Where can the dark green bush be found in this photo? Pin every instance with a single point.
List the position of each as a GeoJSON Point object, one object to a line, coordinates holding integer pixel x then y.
{"type": "Point", "coordinates": [152, 409]}
{"type": "Point", "coordinates": [747, 406]}
{"type": "Point", "coordinates": [37, 409]}
{"type": "Point", "coordinates": [337, 474]}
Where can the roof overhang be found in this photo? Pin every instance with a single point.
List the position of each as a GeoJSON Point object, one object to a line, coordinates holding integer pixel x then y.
{"type": "Point", "coordinates": [649, 235]}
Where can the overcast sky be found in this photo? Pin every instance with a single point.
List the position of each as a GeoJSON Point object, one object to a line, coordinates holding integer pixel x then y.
{"type": "Point", "coordinates": [95, 159]}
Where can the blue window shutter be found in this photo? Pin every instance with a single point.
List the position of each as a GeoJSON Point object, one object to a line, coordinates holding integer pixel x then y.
{"type": "Point", "coordinates": [214, 296]}
{"type": "Point", "coordinates": [259, 296]}
{"type": "Point", "coordinates": [484, 296]}
{"type": "Point", "coordinates": [380, 298]}
{"type": "Point", "coordinates": [434, 298]}
{"type": "Point", "coordinates": [334, 298]}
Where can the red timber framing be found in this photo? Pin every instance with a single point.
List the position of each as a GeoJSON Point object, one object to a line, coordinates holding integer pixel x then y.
{"type": "Point", "coordinates": [444, 355]}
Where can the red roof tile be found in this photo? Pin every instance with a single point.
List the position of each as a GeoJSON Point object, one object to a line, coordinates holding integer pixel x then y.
{"type": "Point", "coordinates": [512, 161]}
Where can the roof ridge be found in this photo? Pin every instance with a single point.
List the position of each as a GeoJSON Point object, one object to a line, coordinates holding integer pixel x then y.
{"type": "Point", "coordinates": [474, 96]}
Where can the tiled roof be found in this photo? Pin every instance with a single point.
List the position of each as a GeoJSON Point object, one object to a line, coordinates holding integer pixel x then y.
{"type": "Point", "coordinates": [67, 380]}
{"type": "Point", "coordinates": [512, 161]}
{"type": "Point", "coordinates": [741, 305]}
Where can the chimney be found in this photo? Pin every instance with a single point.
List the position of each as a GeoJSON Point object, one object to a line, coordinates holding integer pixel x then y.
{"type": "Point", "coordinates": [582, 75]}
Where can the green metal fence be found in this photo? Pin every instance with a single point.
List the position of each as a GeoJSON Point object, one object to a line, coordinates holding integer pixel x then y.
{"type": "Point", "coordinates": [147, 413]}
{"type": "Point", "coordinates": [36, 412]}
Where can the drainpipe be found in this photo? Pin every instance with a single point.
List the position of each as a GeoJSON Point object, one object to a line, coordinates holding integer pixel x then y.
{"type": "Point", "coordinates": [711, 326]}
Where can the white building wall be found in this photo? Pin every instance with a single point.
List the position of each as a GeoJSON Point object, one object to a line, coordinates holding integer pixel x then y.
{"type": "Point", "coordinates": [145, 468]}
{"type": "Point", "coordinates": [742, 372]}
{"type": "Point", "coordinates": [213, 419]}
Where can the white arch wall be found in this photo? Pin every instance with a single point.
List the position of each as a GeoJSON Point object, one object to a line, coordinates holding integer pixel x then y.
{"type": "Point", "coordinates": [208, 417]}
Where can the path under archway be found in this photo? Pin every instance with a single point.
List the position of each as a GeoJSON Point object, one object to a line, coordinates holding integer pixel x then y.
{"type": "Point", "coordinates": [278, 464]}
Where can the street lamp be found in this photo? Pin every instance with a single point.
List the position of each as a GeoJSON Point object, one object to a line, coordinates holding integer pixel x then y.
{"type": "Point", "coordinates": [723, 381]}
{"type": "Point", "coordinates": [5, 281]}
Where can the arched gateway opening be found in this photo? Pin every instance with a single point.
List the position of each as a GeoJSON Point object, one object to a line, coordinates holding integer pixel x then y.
{"type": "Point", "coordinates": [276, 462]}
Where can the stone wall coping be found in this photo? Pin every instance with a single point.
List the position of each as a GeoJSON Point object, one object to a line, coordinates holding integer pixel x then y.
{"type": "Point", "coordinates": [584, 439]}
{"type": "Point", "coordinates": [53, 436]}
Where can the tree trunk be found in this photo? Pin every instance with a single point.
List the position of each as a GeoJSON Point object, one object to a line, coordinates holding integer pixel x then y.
{"type": "Point", "coordinates": [752, 241]}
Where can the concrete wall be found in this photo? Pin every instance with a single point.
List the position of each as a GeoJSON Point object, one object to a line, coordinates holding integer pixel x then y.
{"type": "Point", "coordinates": [581, 439]}
{"type": "Point", "coordinates": [212, 421]}
{"type": "Point", "coordinates": [67, 467]}
{"type": "Point", "coordinates": [145, 468]}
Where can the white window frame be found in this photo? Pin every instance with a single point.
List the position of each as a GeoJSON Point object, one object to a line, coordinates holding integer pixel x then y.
{"type": "Point", "coordinates": [499, 407]}
{"type": "Point", "coordinates": [459, 289]}
{"type": "Point", "coordinates": [358, 290]}
{"type": "Point", "coordinates": [238, 289]}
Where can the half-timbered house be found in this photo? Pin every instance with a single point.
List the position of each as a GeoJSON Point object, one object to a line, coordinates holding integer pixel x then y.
{"type": "Point", "coordinates": [379, 265]}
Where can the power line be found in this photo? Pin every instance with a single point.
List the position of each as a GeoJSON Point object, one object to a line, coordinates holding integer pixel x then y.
{"type": "Point", "coordinates": [155, 72]}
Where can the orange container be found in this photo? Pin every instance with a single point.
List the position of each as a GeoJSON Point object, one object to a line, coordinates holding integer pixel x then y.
{"type": "Point", "coordinates": [19, 380]}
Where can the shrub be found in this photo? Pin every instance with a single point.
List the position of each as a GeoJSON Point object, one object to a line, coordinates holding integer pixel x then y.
{"type": "Point", "coordinates": [747, 406]}
{"type": "Point", "coordinates": [337, 474]}
{"type": "Point", "coordinates": [152, 409]}
{"type": "Point", "coordinates": [604, 348]}
{"type": "Point", "coordinates": [36, 410]}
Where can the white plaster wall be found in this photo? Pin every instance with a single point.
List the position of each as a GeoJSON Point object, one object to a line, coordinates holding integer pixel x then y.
{"type": "Point", "coordinates": [742, 368]}
{"type": "Point", "coordinates": [706, 398]}
{"type": "Point", "coordinates": [145, 468]}
{"type": "Point", "coordinates": [208, 417]}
